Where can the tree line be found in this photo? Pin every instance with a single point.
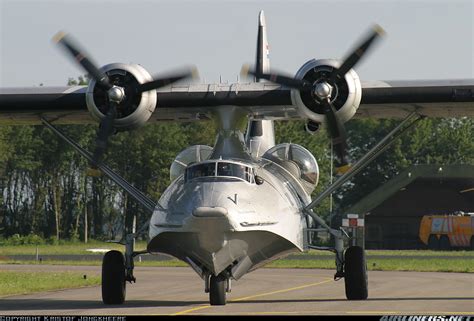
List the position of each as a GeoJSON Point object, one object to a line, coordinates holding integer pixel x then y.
{"type": "Point", "coordinates": [46, 192]}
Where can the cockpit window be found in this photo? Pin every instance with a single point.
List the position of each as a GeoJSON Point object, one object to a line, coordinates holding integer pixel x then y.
{"type": "Point", "coordinates": [224, 169]}
{"type": "Point", "coordinates": [201, 170]}
{"type": "Point", "coordinates": [234, 170]}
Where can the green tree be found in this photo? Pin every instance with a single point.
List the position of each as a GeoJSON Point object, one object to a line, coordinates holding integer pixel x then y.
{"type": "Point", "coordinates": [45, 189]}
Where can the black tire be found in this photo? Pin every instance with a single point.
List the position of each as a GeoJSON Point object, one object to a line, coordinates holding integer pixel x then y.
{"type": "Point", "coordinates": [355, 274]}
{"type": "Point", "coordinates": [444, 244]}
{"type": "Point", "coordinates": [217, 293]}
{"type": "Point", "coordinates": [113, 278]}
{"type": "Point", "coordinates": [433, 243]}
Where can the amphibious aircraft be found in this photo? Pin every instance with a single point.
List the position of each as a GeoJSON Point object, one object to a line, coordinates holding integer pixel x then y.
{"type": "Point", "coordinates": [245, 201]}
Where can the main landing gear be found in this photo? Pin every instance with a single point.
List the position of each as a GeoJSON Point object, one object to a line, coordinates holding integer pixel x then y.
{"type": "Point", "coordinates": [350, 265]}
{"type": "Point", "coordinates": [117, 269]}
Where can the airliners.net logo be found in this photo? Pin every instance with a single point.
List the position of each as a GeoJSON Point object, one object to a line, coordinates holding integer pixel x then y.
{"type": "Point", "coordinates": [427, 318]}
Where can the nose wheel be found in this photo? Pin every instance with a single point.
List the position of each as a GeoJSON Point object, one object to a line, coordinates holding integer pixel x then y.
{"type": "Point", "coordinates": [218, 288]}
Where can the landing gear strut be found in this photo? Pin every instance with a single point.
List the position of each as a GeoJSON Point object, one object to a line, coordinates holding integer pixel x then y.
{"type": "Point", "coordinates": [129, 255]}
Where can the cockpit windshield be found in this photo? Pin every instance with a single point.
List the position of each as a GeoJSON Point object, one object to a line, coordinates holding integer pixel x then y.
{"type": "Point", "coordinates": [201, 170]}
{"type": "Point", "coordinates": [235, 170]}
{"type": "Point", "coordinates": [223, 169]}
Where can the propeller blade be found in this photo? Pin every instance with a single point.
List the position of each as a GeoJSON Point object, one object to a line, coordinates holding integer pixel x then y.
{"type": "Point", "coordinates": [338, 135]}
{"type": "Point", "coordinates": [280, 79]}
{"type": "Point", "coordinates": [81, 58]}
{"type": "Point", "coordinates": [166, 80]}
{"type": "Point", "coordinates": [106, 128]}
{"type": "Point", "coordinates": [358, 53]}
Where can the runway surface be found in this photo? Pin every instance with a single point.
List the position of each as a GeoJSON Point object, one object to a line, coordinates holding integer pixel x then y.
{"type": "Point", "coordinates": [264, 292]}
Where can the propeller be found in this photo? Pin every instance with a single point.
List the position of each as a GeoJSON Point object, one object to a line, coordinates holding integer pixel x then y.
{"type": "Point", "coordinates": [115, 94]}
{"type": "Point", "coordinates": [322, 89]}
{"type": "Point", "coordinates": [81, 58]}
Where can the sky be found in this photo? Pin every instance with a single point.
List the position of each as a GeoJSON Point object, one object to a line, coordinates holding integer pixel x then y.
{"type": "Point", "coordinates": [429, 39]}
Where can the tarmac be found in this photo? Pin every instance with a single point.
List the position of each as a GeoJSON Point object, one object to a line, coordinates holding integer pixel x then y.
{"type": "Point", "coordinates": [179, 291]}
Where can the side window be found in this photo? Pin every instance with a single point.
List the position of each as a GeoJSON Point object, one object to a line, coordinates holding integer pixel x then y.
{"type": "Point", "coordinates": [249, 177]}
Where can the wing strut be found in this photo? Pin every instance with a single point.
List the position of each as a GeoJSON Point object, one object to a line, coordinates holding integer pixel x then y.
{"type": "Point", "coordinates": [141, 198]}
{"type": "Point", "coordinates": [405, 125]}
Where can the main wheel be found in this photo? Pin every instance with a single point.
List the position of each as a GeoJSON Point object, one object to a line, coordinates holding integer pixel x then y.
{"type": "Point", "coordinates": [355, 274]}
{"type": "Point", "coordinates": [217, 294]}
{"type": "Point", "coordinates": [113, 278]}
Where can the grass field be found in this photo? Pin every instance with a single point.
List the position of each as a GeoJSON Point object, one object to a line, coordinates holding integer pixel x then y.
{"type": "Point", "coordinates": [27, 282]}
{"type": "Point", "coordinates": [395, 264]}
{"type": "Point", "coordinates": [378, 260]}
{"type": "Point", "coordinates": [82, 249]}
{"type": "Point", "coordinates": [68, 248]}
{"type": "Point", "coordinates": [464, 262]}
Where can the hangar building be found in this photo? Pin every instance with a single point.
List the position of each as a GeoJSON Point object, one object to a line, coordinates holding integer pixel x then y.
{"type": "Point", "coordinates": [394, 210]}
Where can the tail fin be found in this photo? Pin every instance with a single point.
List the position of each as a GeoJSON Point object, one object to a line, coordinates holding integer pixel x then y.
{"type": "Point", "coordinates": [260, 134]}
{"type": "Point", "coordinates": [262, 63]}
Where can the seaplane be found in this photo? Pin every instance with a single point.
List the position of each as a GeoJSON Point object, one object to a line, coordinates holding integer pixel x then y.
{"type": "Point", "coordinates": [246, 201]}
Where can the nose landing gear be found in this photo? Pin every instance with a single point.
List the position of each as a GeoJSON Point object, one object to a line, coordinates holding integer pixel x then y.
{"type": "Point", "coordinates": [217, 287]}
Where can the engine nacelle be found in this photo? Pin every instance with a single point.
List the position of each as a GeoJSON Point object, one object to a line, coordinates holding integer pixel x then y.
{"type": "Point", "coordinates": [135, 110]}
{"type": "Point", "coordinates": [346, 93]}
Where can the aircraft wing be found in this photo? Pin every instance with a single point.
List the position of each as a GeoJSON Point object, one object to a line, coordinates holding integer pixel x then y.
{"type": "Point", "coordinates": [380, 99]}
{"type": "Point", "coordinates": [431, 98]}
